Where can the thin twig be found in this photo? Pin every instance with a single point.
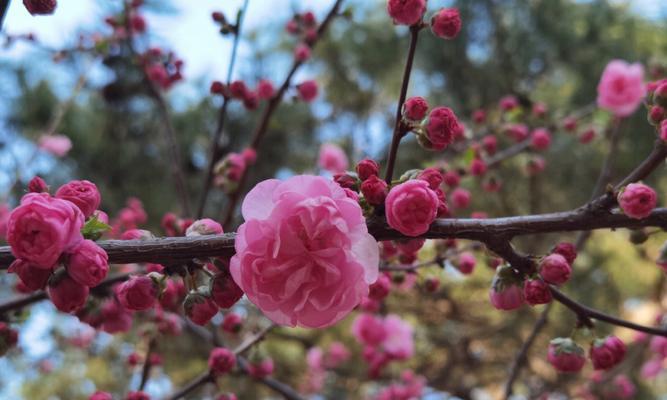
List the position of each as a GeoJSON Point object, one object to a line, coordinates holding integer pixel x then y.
{"type": "Point", "coordinates": [399, 129]}
{"type": "Point", "coordinates": [4, 6]}
{"type": "Point", "coordinates": [146, 370]}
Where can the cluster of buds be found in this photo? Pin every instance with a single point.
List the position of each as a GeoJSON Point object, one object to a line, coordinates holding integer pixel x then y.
{"type": "Point", "coordinates": [225, 26]}
{"type": "Point", "coordinates": [163, 69]}
{"type": "Point", "coordinates": [304, 26]}
{"type": "Point", "coordinates": [567, 356]}
{"type": "Point", "coordinates": [122, 28]}
{"type": "Point", "coordinates": [230, 170]}
{"type": "Point", "coordinates": [238, 90]}
{"type": "Point", "coordinates": [657, 102]}
{"type": "Point", "coordinates": [437, 130]}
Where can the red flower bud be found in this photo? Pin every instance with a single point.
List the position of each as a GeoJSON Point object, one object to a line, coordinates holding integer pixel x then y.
{"type": "Point", "coordinates": [221, 360]}
{"type": "Point", "coordinates": [224, 291]}
{"type": "Point", "coordinates": [536, 291]}
{"type": "Point", "coordinates": [446, 23]}
{"type": "Point", "coordinates": [555, 269]}
{"type": "Point", "coordinates": [138, 293]}
{"type": "Point", "coordinates": [37, 185]}
{"type": "Point", "coordinates": [374, 190]}
{"type": "Point", "coordinates": [66, 294]}
{"type": "Point", "coordinates": [367, 168]}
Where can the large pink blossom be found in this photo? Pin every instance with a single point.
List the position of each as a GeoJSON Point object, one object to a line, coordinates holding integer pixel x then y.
{"type": "Point", "coordinates": [42, 227]}
{"type": "Point", "coordinates": [621, 88]}
{"type": "Point", "coordinates": [304, 255]}
{"type": "Point", "coordinates": [332, 158]}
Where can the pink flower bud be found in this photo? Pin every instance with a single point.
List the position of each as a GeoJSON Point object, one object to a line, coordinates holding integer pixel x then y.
{"type": "Point", "coordinates": [490, 144]}
{"type": "Point", "coordinates": [137, 234]}
{"type": "Point", "coordinates": [83, 194]}
{"type": "Point", "coordinates": [100, 396]}
{"type": "Point", "coordinates": [202, 227]}
{"type": "Point", "coordinates": [37, 185]}
{"type": "Point", "coordinates": [451, 178]}
{"type": "Point", "coordinates": [292, 27]}
{"type": "Point", "coordinates": [570, 124]}
{"type": "Point", "coordinates": [540, 139]}
{"type": "Point", "coordinates": [309, 18]}
{"type": "Point", "coordinates": [539, 110]}
{"type": "Point", "coordinates": [535, 165]}
{"type": "Point", "coordinates": [199, 308]}
{"type": "Point", "coordinates": [637, 200]}
{"type": "Point", "coordinates": [566, 250]}
{"type": "Point", "coordinates": [332, 158]}
{"type": "Point", "coordinates": [88, 263]}
{"type": "Point", "coordinates": [346, 181]}
{"type": "Point", "coordinates": [565, 355]}
{"type": "Point", "coordinates": [411, 207]}
{"type": "Point", "coordinates": [138, 395]}
{"type": "Point", "coordinates": [115, 318]}
{"type": "Point", "coordinates": [40, 7]}
{"type": "Point", "coordinates": [380, 289]}
{"type": "Point", "coordinates": [221, 360]}
{"type": "Point", "coordinates": [466, 263]}
{"type": "Point", "coordinates": [508, 103]}
{"type": "Point", "coordinates": [301, 52]}
{"type": "Point", "coordinates": [57, 145]}
{"type": "Point", "coordinates": [587, 136]}
{"type": "Point", "coordinates": [460, 198]}
{"type": "Point", "coordinates": [307, 90]}
{"type": "Point", "coordinates": [415, 108]}
{"type": "Point", "coordinates": [232, 323]}
{"type": "Point", "coordinates": [660, 94]}
{"type": "Point", "coordinates": [506, 292]}
{"type": "Point", "coordinates": [655, 115]}
{"type": "Point", "coordinates": [265, 89]}
{"type": "Point", "coordinates": [33, 277]}
{"type": "Point", "coordinates": [374, 190]}
{"type": "Point", "coordinates": [517, 132]}
{"type": "Point", "coordinates": [218, 16]}
{"type": "Point", "coordinates": [477, 167]}
{"type": "Point", "coordinates": [138, 23]}
{"type": "Point", "coordinates": [218, 87]}
{"type": "Point", "coordinates": [250, 100]}
{"type": "Point", "coordinates": [536, 291]}
{"type": "Point", "coordinates": [555, 269]}
{"type": "Point", "coordinates": [138, 293]}
{"type": "Point", "coordinates": [441, 127]}
{"type": "Point", "coordinates": [224, 291]}
{"type": "Point", "coordinates": [406, 12]}
{"type": "Point", "coordinates": [262, 369]}
{"type": "Point", "coordinates": [433, 176]}
{"type": "Point", "coordinates": [479, 116]}
{"type": "Point", "coordinates": [367, 168]}
{"type": "Point", "coordinates": [66, 294]}
{"type": "Point", "coordinates": [238, 89]}
{"type": "Point", "coordinates": [606, 353]}
{"type": "Point", "coordinates": [446, 23]}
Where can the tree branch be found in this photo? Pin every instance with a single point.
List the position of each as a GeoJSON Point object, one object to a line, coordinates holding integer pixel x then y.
{"type": "Point", "coordinates": [399, 129]}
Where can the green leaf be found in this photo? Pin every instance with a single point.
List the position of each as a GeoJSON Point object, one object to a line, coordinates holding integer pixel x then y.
{"type": "Point", "coordinates": [94, 228]}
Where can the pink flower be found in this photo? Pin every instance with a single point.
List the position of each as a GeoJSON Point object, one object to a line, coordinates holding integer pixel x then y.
{"type": "Point", "coordinates": [115, 318]}
{"type": "Point", "coordinates": [261, 369]}
{"type": "Point", "coordinates": [415, 108]}
{"type": "Point", "coordinates": [40, 7]}
{"type": "Point", "coordinates": [238, 89]}
{"type": "Point", "coordinates": [659, 345]}
{"type": "Point", "coordinates": [374, 190]}
{"type": "Point", "coordinates": [367, 168]}
{"type": "Point", "coordinates": [205, 226]}
{"type": "Point", "coordinates": [369, 330]}
{"type": "Point", "coordinates": [587, 136]}
{"type": "Point", "coordinates": [441, 127]}
{"type": "Point", "coordinates": [565, 355]}
{"type": "Point", "coordinates": [541, 139]}
{"type": "Point", "coordinates": [411, 207]}
{"type": "Point", "coordinates": [232, 322]}
{"type": "Point", "coordinates": [518, 132]}
{"type": "Point", "coordinates": [508, 103]}
{"type": "Point", "coordinates": [451, 178]}
{"type": "Point", "coordinates": [466, 263]}
{"type": "Point", "coordinates": [138, 293]}
{"type": "Point", "coordinates": [477, 167]}
{"type": "Point", "coordinates": [42, 227]}
{"type": "Point", "coordinates": [606, 353]}
{"type": "Point", "coordinates": [199, 308]}
{"type": "Point", "coordinates": [315, 358]}
{"type": "Point", "coordinates": [307, 90]}
{"type": "Point", "coordinates": [406, 12]}
{"type": "Point", "coordinates": [461, 198]}
{"type": "Point", "coordinates": [536, 291]}
{"type": "Point", "coordinates": [305, 228]}
{"type": "Point", "coordinates": [621, 88]}
{"type": "Point", "coordinates": [221, 360]}
{"type": "Point", "coordinates": [637, 200]}
{"type": "Point", "coordinates": [224, 291]}
{"type": "Point", "coordinates": [555, 269]}
{"type": "Point", "coordinates": [83, 194]}
{"type": "Point", "coordinates": [490, 144]}
{"type": "Point", "coordinates": [265, 89]}
{"type": "Point", "coordinates": [66, 294]}
{"type": "Point", "coordinates": [100, 396]}
{"type": "Point", "coordinates": [399, 343]}
{"type": "Point", "coordinates": [336, 355]}
{"type": "Point", "coordinates": [332, 158]}
{"type": "Point", "coordinates": [479, 116]}
{"type": "Point", "coordinates": [566, 250]}
{"type": "Point", "coordinates": [302, 52]}
{"type": "Point", "coordinates": [623, 387]}
{"type": "Point", "coordinates": [33, 277]}
{"type": "Point", "coordinates": [506, 292]}
{"type": "Point", "coordinates": [652, 368]}
{"type": "Point", "coordinates": [446, 23]}
{"type": "Point", "coordinates": [380, 289]}
{"type": "Point", "coordinates": [88, 263]}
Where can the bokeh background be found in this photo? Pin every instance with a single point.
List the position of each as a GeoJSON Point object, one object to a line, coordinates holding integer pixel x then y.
{"type": "Point", "coordinates": [551, 51]}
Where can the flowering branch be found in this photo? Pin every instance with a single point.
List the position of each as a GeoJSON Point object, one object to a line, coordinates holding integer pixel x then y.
{"type": "Point", "coordinates": [262, 126]}
{"type": "Point", "coordinates": [399, 129]}
{"type": "Point", "coordinates": [216, 149]}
